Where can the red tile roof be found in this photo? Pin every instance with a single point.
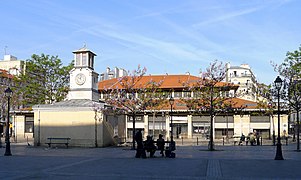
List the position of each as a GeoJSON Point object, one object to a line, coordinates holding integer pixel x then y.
{"type": "Point", "coordinates": [4, 73]}
{"type": "Point", "coordinates": [237, 103]}
{"type": "Point", "coordinates": [169, 82]}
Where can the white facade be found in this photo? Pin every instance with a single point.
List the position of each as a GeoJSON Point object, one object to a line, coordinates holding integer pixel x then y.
{"type": "Point", "coordinates": [243, 76]}
{"type": "Point", "coordinates": [115, 73]}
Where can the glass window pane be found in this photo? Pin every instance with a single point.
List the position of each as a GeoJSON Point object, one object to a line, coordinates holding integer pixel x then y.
{"type": "Point", "coordinates": [29, 125]}
{"type": "Point", "coordinates": [84, 59]}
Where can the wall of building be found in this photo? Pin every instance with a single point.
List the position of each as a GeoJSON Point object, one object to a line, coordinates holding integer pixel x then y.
{"type": "Point", "coordinates": [80, 126]}
{"type": "Point", "coordinates": [18, 133]}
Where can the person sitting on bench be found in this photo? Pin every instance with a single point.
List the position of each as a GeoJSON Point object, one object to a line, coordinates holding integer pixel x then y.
{"type": "Point", "coordinates": [149, 146]}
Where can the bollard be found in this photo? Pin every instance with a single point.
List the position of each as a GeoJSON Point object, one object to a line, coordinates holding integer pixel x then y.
{"type": "Point", "coordinates": [261, 140]}
{"type": "Point", "coordinates": [197, 141]}
{"type": "Point", "coordinates": [223, 141]}
{"type": "Point", "coordinates": [182, 140]}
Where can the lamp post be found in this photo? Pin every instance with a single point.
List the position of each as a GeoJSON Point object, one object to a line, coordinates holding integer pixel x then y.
{"type": "Point", "coordinates": [171, 102]}
{"type": "Point", "coordinates": [8, 94]}
{"type": "Point", "coordinates": [278, 84]}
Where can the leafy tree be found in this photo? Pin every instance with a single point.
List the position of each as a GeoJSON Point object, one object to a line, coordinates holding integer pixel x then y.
{"type": "Point", "coordinates": [45, 80]}
{"type": "Point", "coordinates": [290, 70]}
{"type": "Point", "coordinates": [266, 102]}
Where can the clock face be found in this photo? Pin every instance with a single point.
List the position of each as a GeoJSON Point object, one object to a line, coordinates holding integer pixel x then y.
{"type": "Point", "coordinates": [80, 79]}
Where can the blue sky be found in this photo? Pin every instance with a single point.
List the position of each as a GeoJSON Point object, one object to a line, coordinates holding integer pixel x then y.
{"type": "Point", "coordinates": [165, 36]}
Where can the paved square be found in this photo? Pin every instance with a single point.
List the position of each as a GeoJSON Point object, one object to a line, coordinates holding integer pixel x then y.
{"type": "Point", "coordinates": [191, 162]}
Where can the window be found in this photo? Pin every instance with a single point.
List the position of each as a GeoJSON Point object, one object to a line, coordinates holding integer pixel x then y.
{"type": "Point", "coordinates": [137, 118]}
{"type": "Point", "coordinates": [77, 59]}
{"type": "Point", "coordinates": [90, 61]}
{"type": "Point", "coordinates": [178, 94]}
{"type": "Point", "coordinates": [235, 73]}
{"type": "Point", "coordinates": [29, 124]}
{"type": "Point", "coordinates": [84, 59]}
{"type": "Point", "coordinates": [197, 94]}
{"type": "Point", "coordinates": [187, 94]}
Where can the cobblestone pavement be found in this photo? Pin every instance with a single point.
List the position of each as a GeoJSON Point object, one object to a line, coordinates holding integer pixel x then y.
{"type": "Point", "coordinates": [191, 162]}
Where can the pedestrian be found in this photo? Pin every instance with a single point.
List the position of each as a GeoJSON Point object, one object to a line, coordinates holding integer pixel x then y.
{"type": "Point", "coordinates": [140, 151]}
{"type": "Point", "coordinates": [252, 139]}
{"type": "Point", "coordinates": [161, 144]}
{"type": "Point", "coordinates": [242, 139]}
{"type": "Point", "coordinates": [257, 138]}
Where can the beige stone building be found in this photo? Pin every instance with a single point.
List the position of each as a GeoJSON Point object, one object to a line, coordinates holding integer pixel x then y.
{"type": "Point", "coordinates": [79, 117]}
{"type": "Point", "coordinates": [188, 124]}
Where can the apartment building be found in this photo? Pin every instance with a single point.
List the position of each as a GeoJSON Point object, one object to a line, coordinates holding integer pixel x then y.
{"type": "Point", "coordinates": [244, 77]}
{"type": "Point", "coordinates": [113, 73]}
{"type": "Point", "coordinates": [12, 65]}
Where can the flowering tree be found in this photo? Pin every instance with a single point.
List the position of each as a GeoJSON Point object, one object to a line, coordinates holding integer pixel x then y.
{"type": "Point", "coordinates": [8, 80]}
{"type": "Point", "coordinates": [133, 95]}
{"type": "Point", "coordinates": [209, 94]}
{"type": "Point", "coordinates": [154, 98]}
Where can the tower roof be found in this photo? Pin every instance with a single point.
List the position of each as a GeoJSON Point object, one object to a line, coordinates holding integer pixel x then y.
{"type": "Point", "coordinates": [84, 49]}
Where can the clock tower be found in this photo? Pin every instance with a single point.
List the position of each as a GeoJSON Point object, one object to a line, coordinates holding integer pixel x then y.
{"type": "Point", "coordinates": [83, 78]}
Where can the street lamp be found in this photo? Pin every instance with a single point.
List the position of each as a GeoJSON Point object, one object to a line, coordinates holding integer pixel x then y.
{"type": "Point", "coordinates": [8, 93]}
{"type": "Point", "coordinates": [171, 102]}
{"type": "Point", "coordinates": [278, 84]}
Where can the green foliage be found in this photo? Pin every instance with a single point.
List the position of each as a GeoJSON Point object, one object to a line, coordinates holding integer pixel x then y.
{"type": "Point", "coordinates": [290, 70]}
{"type": "Point", "coordinates": [265, 99]}
{"type": "Point", "coordinates": [45, 80]}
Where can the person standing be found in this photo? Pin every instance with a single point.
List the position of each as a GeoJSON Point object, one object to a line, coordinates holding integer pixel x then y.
{"type": "Point", "coordinates": [161, 144]}
{"type": "Point", "coordinates": [140, 152]}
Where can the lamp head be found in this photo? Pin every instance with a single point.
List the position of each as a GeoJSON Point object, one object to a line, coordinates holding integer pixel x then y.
{"type": "Point", "coordinates": [171, 100]}
{"type": "Point", "coordinates": [278, 83]}
{"type": "Point", "coordinates": [8, 92]}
